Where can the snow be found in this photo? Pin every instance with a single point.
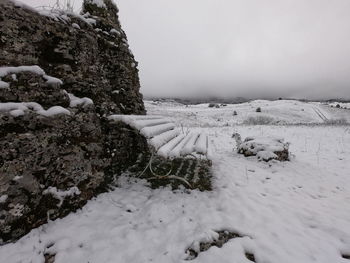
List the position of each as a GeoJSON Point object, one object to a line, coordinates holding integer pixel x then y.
{"type": "Point", "coordinates": [140, 124]}
{"type": "Point", "coordinates": [163, 138]}
{"type": "Point", "coordinates": [166, 149]}
{"type": "Point", "coordinates": [263, 147]}
{"type": "Point", "coordinates": [16, 113]}
{"type": "Point", "coordinates": [14, 77]}
{"type": "Point", "coordinates": [152, 131]}
{"type": "Point", "coordinates": [33, 69]}
{"type": "Point", "coordinates": [162, 134]}
{"type": "Point", "coordinates": [60, 195]}
{"type": "Point", "coordinates": [15, 70]}
{"type": "Point", "coordinates": [188, 147]}
{"type": "Point", "coordinates": [282, 112]}
{"type": "Point", "coordinates": [4, 85]}
{"type": "Point", "coordinates": [23, 5]}
{"type": "Point", "coordinates": [64, 16]}
{"type": "Point", "coordinates": [176, 151]}
{"type": "Point", "coordinates": [76, 26]}
{"type": "Point", "coordinates": [55, 110]}
{"type": "Point", "coordinates": [130, 119]}
{"type": "Point", "coordinates": [201, 144]}
{"type": "Point", "coordinates": [52, 81]}
{"type": "Point", "coordinates": [114, 31]}
{"type": "Point", "coordinates": [290, 212]}
{"type": "Point", "coordinates": [90, 21]}
{"type": "Point", "coordinates": [75, 101]}
{"type": "Point", "coordinates": [19, 108]}
{"type": "Point", "coordinates": [3, 198]}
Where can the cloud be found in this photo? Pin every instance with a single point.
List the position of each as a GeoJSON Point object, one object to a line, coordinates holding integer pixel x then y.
{"type": "Point", "coordinates": [249, 48]}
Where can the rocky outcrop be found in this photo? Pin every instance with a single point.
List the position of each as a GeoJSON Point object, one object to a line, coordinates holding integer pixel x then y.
{"type": "Point", "coordinates": [58, 149]}
{"type": "Point", "coordinates": [89, 53]}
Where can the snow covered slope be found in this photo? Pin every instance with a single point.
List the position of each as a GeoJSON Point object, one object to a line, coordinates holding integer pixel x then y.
{"type": "Point", "coordinates": [291, 212]}
{"type": "Point", "coordinates": [272, 112]}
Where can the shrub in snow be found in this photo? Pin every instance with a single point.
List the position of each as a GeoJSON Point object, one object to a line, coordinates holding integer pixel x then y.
{"type": "Point", "coordinates": [238, 138]}
{"type": "Point", "coordinates": [259, 120]}
{"type": "Point", "coordinates": [258, 109]}
{"type": "Point", "coordinates": [265, 148]}
{"type": "Point", "coordinates": [341, 121]}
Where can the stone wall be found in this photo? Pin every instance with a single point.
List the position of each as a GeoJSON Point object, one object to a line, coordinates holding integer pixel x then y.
{"type": "Point", "coordinates": [51, 164]}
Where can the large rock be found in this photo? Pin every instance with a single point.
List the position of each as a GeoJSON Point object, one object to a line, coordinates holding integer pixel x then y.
{"type": "Point", "coordinates": [90, 54]}
{"type": "Point", "coordinates": [55, 155]}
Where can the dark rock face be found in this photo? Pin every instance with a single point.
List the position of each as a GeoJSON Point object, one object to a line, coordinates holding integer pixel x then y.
{"type": "Point", "coordinates": [89, 53]}
{"type": "Point", "coordinates": [50, 166]}
{"type": "Point", "coordinates": [63, 152]}
{"type": "Point", "coordinates": [29, 87]}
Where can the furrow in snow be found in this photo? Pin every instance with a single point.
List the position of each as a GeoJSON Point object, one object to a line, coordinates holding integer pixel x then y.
{"type": "Point", "coordinates": [189, 146]}
{"type": "Point", "coordinates": [177, 149]}
{"type": "Point", "coordinates": [139, 124]}
{"type": "Point", "coordinates": [201, 144]}
{"type": "Point", "coordinates": [160, 140]}
{"type": "Point", "coordinates": [167, 148]}
{"type": "Point", "coordinates": [152, 131]}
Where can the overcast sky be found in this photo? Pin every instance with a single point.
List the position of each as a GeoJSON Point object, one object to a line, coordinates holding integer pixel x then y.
{"type": "Point", "coordinates": [230, 48]}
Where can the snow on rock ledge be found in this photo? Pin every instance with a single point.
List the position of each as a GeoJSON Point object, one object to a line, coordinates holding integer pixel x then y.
{"type": "Point", "coordinates": [75, 101]}
{"type": "Point", "coordinates": [61, 195]}
{"type": "Point", "coordinates": [4, 71]}
{"type": "Point", "coordinates": [20, 108]}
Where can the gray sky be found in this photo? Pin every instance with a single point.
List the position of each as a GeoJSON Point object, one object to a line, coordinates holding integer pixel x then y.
{"type": "Point", "coordinates": [251, 48]}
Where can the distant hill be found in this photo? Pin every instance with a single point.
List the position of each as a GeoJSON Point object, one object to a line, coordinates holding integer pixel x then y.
{"type": "Point", "coordinates": [235, 100]}
{"type": "Point", "coordinates": [194, 101]}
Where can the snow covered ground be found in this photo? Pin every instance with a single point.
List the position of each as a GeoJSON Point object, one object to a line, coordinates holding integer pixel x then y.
{"type": "Point", "coordinates": [275, 112]}
{"type": "Point", "coordinates": [291, 212]}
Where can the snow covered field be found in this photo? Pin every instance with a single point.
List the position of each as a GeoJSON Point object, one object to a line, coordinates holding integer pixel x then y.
{"type": "Point", "coordinates": [291, 212]}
